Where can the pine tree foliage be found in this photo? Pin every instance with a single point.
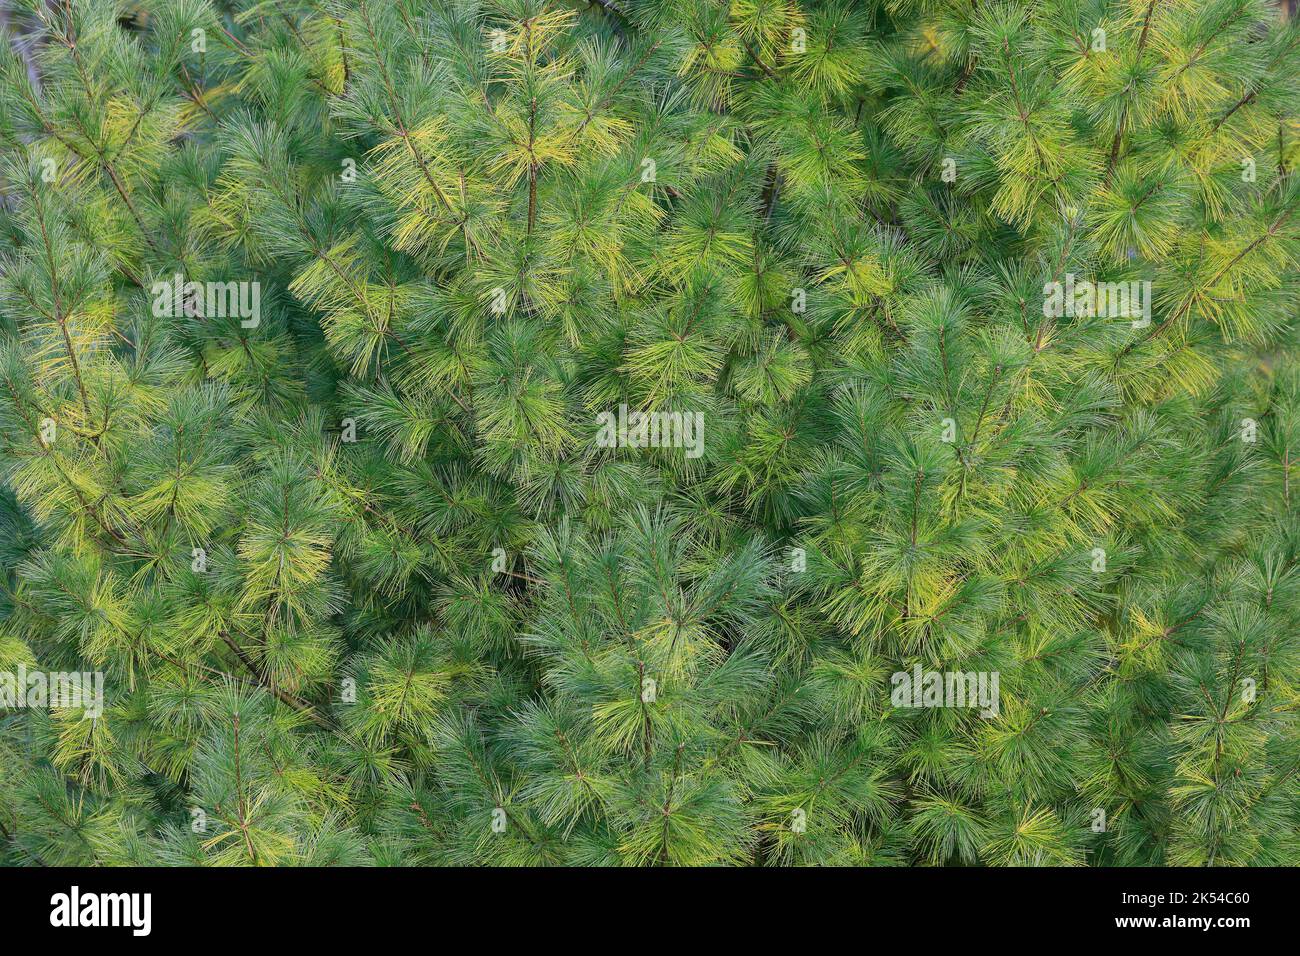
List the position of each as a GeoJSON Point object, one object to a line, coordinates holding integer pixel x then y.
{"type": "Point", "coordinates": [364, 583]}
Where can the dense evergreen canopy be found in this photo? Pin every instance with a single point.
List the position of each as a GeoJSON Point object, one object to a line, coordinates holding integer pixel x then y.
{"type": "Point", "coordinates": [366, 585]}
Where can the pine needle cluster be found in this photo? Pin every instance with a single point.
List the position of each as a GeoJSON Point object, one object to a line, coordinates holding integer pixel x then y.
{"type": "Point", "coordinates": [314, 319]}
